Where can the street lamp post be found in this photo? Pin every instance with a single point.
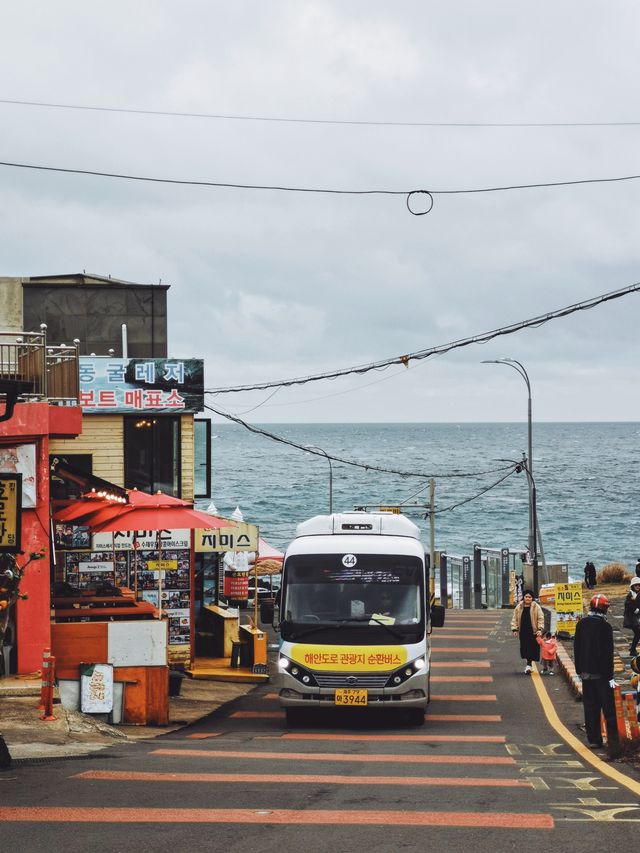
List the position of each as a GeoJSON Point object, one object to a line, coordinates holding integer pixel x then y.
{"type": "Point", "coordinates": [533, 523]}
{"type": "Point", "coordinates": [328, 458]}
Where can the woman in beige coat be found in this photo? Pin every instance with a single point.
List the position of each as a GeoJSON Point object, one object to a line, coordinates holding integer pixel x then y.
{"type": "Point", "coordinates": [527, 624]}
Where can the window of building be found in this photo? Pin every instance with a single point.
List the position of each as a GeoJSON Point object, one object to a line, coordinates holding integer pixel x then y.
{"type": "Point", "coordinates": [202, 449]}
{"type": "Point", "coordinates": [152, 454]}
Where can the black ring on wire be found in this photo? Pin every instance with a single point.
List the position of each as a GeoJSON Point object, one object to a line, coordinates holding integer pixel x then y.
{"type": "Point", "coordinates": [421, 212]}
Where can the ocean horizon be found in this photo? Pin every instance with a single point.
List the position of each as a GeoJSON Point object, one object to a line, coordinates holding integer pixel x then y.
{"type": "Point", "coordinates": [587, 477]}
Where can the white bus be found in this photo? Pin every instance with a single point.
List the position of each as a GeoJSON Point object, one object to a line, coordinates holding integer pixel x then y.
{"type": "Point", "coordinates": [354, 617]}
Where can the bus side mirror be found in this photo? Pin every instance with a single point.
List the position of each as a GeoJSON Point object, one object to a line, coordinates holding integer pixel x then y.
{"type": "Point", "coordinates": [437, 615]}
{"type": "Point", "coordinates": [267, 606]}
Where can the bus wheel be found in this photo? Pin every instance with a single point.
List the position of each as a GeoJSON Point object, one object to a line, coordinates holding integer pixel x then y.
{"type": "Point", "coordinates": [294, 716]}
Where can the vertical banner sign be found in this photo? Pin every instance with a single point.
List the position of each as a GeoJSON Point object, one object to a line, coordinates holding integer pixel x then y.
{"type": "Point", "coordinates": [504, 576]}
{"type": "Point", "coordinates": [466, 583]}
{"type": "Point", "coordinates": [568, 607]}
{"type": "Point", "coordinates": [10, 512]}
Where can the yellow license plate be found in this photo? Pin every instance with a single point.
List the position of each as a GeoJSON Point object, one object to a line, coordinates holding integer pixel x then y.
{"type": "Point", "coordinates": [356, 698]}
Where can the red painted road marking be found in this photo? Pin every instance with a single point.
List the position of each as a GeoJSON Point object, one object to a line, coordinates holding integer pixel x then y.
{"type": "Point", "coordinates": [465, 697]}
{"type": "Point", "coordinates": [500, 820]}
{"type": "Point", "coordinates": [458, 679]}
{"type": "Point", "coordinates": [459, 664]}
{"type": "Point", "coordinates": [257, 715]}
{"type": "Point", "coordinates": [474, 649]}
{"type": "Point", "coordinates": [416, 738]}
{"type": "Point", "coordinates": [270, 778]}
{"type": "Point", "coordinates": [202, 736]}
{"type": "Point", "coordinates": [465, 718]}
{"type": "Point", "coordinates": [338, 756]}
{"type": "Point", "coordinates": [465, 636]}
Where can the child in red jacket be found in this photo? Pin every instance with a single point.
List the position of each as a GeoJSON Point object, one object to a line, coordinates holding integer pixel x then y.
{"type": "Point", "coordinates": [548, 650]}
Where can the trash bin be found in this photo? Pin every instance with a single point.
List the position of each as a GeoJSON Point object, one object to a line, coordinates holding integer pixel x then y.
{"type": "Point", "coordinates": [175, 682]}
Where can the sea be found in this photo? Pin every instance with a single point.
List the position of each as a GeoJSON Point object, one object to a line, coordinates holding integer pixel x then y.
{"type": "Point", "coordinates": [587, 478]}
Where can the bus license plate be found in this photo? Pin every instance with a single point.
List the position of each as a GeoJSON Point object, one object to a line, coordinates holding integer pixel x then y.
{"type": "Point", "coordinates": [356, 698]}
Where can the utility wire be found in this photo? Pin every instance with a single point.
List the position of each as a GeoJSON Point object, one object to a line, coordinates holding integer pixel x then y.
{"type": "Point", "coordinates": [293, 120]}
{"type": "Point", "coordinates": [266, 434]}
{"type": "Point", "coordinates": [481, 338]}
{"type": "Point", "coordinates": [515, 469]}
{"type": "Point", "coordinates": [414, 197]}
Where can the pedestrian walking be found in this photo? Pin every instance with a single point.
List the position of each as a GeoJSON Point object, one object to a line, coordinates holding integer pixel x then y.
{"type": "Point", "coordinates": [548, 651]}
{"type": "Point", "coordinates": [589, 575]}
{"type": "Point", "coordinates": [527, 623]}
{"type": "Point", "coordinates": [631, 618]}
{"type": "Point", "coordinates": [593, 652]}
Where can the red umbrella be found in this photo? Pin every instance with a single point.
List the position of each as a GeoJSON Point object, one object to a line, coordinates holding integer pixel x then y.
{"type": "Point", "coordinates": [154, 512]}
{"type": "Point", "coordinates": [160, 517]}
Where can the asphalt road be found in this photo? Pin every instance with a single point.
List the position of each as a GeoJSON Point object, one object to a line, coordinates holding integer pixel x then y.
{"type": "Point", "coordinates": [486, 772]}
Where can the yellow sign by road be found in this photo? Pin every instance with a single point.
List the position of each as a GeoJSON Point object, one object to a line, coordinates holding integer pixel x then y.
{"type": "Point", "coordinates": [162, 565]}
{"type": "Point", "coordinates": [10, 512]}
{"type": "Point", "coordinates": [568, 597]}
{"type": "Point", "coordinates": [396, 510]}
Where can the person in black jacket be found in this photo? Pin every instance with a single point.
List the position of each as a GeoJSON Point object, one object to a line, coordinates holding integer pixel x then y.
{"type": "Point", "coordinates": [631, 618]}
{"type": "Point", "coordinates": [593, 652]}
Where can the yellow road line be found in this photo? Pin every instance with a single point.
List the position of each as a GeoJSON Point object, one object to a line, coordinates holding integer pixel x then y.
{"type": "Point", "coordinates": [583, 751]}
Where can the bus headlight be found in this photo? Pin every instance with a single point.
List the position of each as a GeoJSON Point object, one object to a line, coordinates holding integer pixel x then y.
{"type": "Point", "coordinates": [399, 676]}
{"type": "Point", "coordinates": [296, 671]}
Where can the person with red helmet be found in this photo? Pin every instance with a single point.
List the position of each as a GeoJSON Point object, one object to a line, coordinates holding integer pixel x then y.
{"type": "Point", "coordinates": [593, 652]}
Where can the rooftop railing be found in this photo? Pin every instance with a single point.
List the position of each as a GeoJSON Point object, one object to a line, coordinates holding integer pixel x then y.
{"type": "Point", "coordinates": [40, 371]}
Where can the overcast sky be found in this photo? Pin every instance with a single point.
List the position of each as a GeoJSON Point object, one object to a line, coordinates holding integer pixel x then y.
{"type": "Point", "coordinates": [268, 285]}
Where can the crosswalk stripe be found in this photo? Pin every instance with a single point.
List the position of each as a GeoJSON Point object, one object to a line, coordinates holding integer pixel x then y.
{"type": "Point", "coordinates": [465, 718]}
{"type": "Point", "coordinates": [300, 778]}
{"type": "Point", "coordinates": [460, 664]}
{"type": "Point", "coordinates": [385, 738]}
{"type": "Point", "coordinates": [472, 649]}
{"type": "Point", "coordinates": [291, 817]}
{"type": "Point", "coordinates": [465, 697]}
{"type": "Point", "coordinates": [337, 756]}
{"type": "Point", "coordinates": [460, 679]}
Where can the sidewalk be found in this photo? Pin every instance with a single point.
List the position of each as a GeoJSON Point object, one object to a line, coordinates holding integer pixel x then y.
{"type": "Point", "coordinates": [72, 733]}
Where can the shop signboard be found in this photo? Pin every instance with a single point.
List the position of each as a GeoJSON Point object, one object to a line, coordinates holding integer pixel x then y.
{"type": "Point", "coordinates": [10, 512]}
{"type": "Point", "coordinates": [236, 585]}
{"type": "Point", "coordinates": [144, 540]}
{"type": "Point", "coordinates": [241, 537]}
{"type": "Point", "coordinates": [136, 385]}
{"type": "Point", "coordinates": [158, 565]}
{"type": "Point", "coordinates": [569, 607]}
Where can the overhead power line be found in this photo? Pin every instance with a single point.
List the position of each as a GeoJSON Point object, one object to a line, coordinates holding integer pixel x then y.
{"type": "Point", "coordinates": [329, 121]}
{"type": "Point", "coordinates": [414, 197]}
{"type": "Point", "coordinates": [281, 440]}
{"type": "Point", "coordinates": [419, 355]}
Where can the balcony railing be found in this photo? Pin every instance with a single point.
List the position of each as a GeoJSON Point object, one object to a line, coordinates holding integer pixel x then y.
{"type": "Point", "coordinates": [41, 372]}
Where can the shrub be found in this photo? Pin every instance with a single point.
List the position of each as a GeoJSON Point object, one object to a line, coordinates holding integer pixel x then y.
{"type": "Point", "coordinates": [613, 573]}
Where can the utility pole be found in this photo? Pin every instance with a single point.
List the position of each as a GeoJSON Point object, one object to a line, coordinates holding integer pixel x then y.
{"type": "Point", "coordinates": [432, 536]}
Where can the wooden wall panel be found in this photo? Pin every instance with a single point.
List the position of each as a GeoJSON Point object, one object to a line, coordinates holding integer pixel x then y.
{"type": "Point", "coordinates": [146, 695]}
{"type": "Point", "coordinates": [103, 437]}
{"type": "Point", "coordinates": [74, 643]}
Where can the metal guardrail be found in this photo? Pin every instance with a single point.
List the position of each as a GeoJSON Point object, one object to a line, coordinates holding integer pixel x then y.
{"type": "Point", "coordinates": [39, 371]}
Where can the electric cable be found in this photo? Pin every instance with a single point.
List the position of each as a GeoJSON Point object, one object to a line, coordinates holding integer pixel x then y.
{"type": "Point", "coordinates": [410, 195]}
{"type": "Point", "coordinates": [323, 455]}
{"type": "Point", "coordinates": [481, 338]}
{"type": "Point", "coordinates": [294, 120]}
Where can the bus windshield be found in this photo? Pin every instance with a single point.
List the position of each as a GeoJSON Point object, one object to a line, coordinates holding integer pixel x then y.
{"type": "Point", "coordinates": [375, 592]}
